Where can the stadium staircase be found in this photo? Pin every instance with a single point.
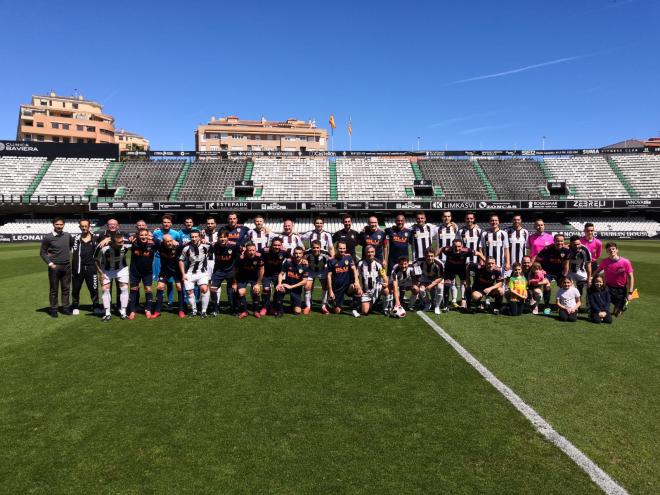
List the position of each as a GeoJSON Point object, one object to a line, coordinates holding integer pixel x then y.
{"type": "Point", "coordinates": [179, 181]}
{"type": "Point", "coordinates": [247, 175]}
{"type": "Point", "coordinates": [333, 179]}
{"type": "Point", "coordinates": [543, 190]}
{"type": "Point", "coordinates": [490, 190]}
{"type": "Point", "coordinates": [416, 171]}
{"type": "Point", "coordinates": [108, 180]}
{"type": "Point", "coordinates": [25, 198]}
{"type": "Point", "coordinates": [410, 192]}
{"type": "Point", "coordinates": [438, 192]}
{"type": "Point", "coordinates": [625, 182]}
{"type": "Point", "coordinates": [229, 192]}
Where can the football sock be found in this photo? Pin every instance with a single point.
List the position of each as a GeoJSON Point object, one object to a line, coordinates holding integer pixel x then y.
{"type": "Point", "coordinates": [242, 305]}
{"type": "Point", "coordinates": [324, 297]}
{"type": "Point", "coordinates": [149, 297]}
{"type": "Point", "coordinates": [123, 298]}
{"type": "Point", "coordinates": [170, 293]}
{"type": "Point", "coordinates": [308, 298]}
{"type": "Point", "coordinates": [205, 300]}
{"type": "Point", "coordinates": [454, 292]}
{"type": "Point", "coordinates": [159, 300]}
{"type": "Point", "coordinates": [413, 300]}
{"type": "Point", "coordinates": [192, 301]}
{"type": "Point", "coordinates": [181, 299]}
{"type": "Point", "coordinates": [133, 300]}
{"type": "Point", "coordinates": [106, 300]}
{"type": "Point", "coordinates": [389, 301]}
{"type": "Point", "coordinates": [438, 295]}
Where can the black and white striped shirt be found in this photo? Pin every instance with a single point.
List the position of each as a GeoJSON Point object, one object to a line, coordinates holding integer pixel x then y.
{"type": "Point", "coordinates": [195, 257]}
{"type": "Point", "coordinates": [289, 242]}
{"type": "Point", "coordinates": [471, 238]}
{"type": "Point", "coordinates": [112, 258]}
{"type": "Point", "coordinates": [431, 271]}
{"type": "Point", "coordinates": [370, 273]}
{"type": "Point", "coordinates": [446, 234]}
{"type": "Point", "coordinates": [422, 239]}
{"type": "Point", "coordinates": [325, 238]}
{"type": "Point", "coordinates": [493, 245]}
{"type": "Point", "coordinates": [259, 238]}
{"type": "Point", "coordinates": [210, 239]}
{"type": "Point", "coordinates": [517, 244]}
{"type": "Point", "coordinates": [577, 261]}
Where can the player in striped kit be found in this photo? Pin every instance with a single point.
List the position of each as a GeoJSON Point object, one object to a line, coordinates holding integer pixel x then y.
{"type": "Point", "coordinates": [259, 235]}
{"type": "Point", "coordinates": [317, 262]}
{"type": "Point", "coordinates": [470, 234]}
{"type": "Point", "coordinates": [494, 243]}
{"type": "Point", "coordinates": [373, 280]}
{"type": "Point", "coordinates": [318, 234]}
{"type": "Point", "coordinates": [447, 232]}
{"type": "Point", "coordinates": [111, 264]}
{"type": "Point", "coordinates": [422, 236]}
{"type": "Point", "coordinates": [429, 276]}
{"type": "Point", "coordinates": [579, 264]}
{"type": "Point", "coordinates": [193, 265]}
{"type": "Point", "coordinates": [457, 265]}
{"type": "Point", "coordinates": [401, 280]}
{"type": "Point", "coordinates": [290, 239]}
{"type": "Point", "coordinates": [518, 238]}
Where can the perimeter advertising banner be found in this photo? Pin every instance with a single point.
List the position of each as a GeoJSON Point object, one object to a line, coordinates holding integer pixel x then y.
{"type": "Point", "coordinates": [59, 150]}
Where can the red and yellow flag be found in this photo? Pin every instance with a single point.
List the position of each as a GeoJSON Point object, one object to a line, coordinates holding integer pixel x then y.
{"type": "Point", "coordinates": [350, 128]}
{"type": "Point", "coordinates": [331, 121]}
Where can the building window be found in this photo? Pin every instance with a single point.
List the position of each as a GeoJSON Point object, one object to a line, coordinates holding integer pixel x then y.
{"type": "Point", "coordinates": [40, 138]}
{"type": "Point", "coordinates": [66, 139]}
{"type": "Point", "coordinates": [40, 124]}
{"type": "Point", "coordinates": [91, 128]}
{"type": "Point", "coordinates": [65, 127]}
{"type": "Point", "coordinates": [74, 105]}
{"type": "Point", "coordinates": [27, 137]}
{"type": "Point", "coordinates": [80, 128]}
{"type": "Point", "coordinates": [43, 103]}
{"type": "Point", "coordinates": [56, 139]}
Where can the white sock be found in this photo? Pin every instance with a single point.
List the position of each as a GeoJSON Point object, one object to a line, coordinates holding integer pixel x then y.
{"type": "Point", "coordinates": [123, 299]}
{"type": "Point", "coordinates": [106, 297]}
{"type": "Point", "coordinates": [439, 291]}
{"type": "Point", "coordinates": [308, 298]}
{"type": "Point", "coordinates": [454, 292]}
{"type": "Point", "coordinates": [192, 302]}
{"type": "Point", "coordinates": [205, 296]}
{"type": "Point", "coordinates": [324, 297]}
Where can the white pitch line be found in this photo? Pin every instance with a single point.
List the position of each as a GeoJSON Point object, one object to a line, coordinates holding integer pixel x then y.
{"type": "Point", "coordinates": [600, 477]}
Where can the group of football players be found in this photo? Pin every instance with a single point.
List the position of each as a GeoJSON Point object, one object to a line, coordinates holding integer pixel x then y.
{"type": "Point", "coordinates": [401, 268]}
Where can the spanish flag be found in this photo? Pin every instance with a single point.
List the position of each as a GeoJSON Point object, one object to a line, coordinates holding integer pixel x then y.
{"type": "Point", "coordinates": [350, 127]}
{"type": "Point", "coordinates": [331, 121]}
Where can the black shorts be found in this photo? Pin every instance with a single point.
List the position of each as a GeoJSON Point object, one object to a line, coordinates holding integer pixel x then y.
{"type": "Point", "coordinates": [296, 296]}
{"type": "Point", "coordinates": [451, 274]}
{"type": "Point", "coordinates": [167, 276]}
{"type": "Point", "coordinates": [243, 283]}
{"type": "Point", "coordinates": [340, 293]}
{"type": "Point", "coordinates": [135, 278]}
{"type": "Point", "coordinates": [618, 296]}
{"type": "Point", "coordinates": [218, 277]}
{"type": "Point", "coordinates": [268, 281]}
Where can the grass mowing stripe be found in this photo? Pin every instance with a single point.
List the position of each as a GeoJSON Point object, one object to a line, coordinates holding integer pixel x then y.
{"type": "Point", "coordinates": [600, 477]}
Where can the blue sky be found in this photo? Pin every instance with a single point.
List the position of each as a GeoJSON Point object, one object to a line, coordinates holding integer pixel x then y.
{"type": "Point", "coordinates": [461, 75]}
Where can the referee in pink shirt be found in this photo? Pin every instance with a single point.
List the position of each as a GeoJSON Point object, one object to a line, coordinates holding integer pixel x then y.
{"type": "Point", "coordinates": [619, 278]}
{"type": "Point", "coordinates": [539, 239]}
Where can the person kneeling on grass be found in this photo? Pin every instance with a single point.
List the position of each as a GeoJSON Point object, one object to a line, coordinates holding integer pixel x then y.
{"type": "Point", "coordinates": [488, 283]}
{"type": "Point", "coordinates": [291, 280]}
{"type": "Point", "coordinates": [599, 301]}
{"type": "Point", "coordinates": [537, 284]}
{"type": "Point", "coordinates": [517, 293]}
{"type": "Point", "coordinates": [568, 300]}
{"type": "Point", "coordinates": [341, 269]}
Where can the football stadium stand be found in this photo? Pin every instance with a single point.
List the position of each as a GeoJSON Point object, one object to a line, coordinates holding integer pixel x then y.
{"type": "Point", "coordinates": [642, 172]}
{"type": "Point", "coordinates": [374, 178]}
{"type": "Point", "coordinates": [619, 224]}
{"type": "Point", "coordinates": [210, 180]}
{"type": "Point", "coordinates": [515, 178]}
{"type": "Point", "coordinates": [18, 173]}
{"type": "Point", "coordinates": [291, 179]}
{"type": "Point", "coordinates": [587, 177]}
{"type": "Point", "coordinates": [459, 178]}
{"type": "Point", "coordinates": [148, 180]}
{"type": "Point", "coordinates": [38, 226]}
{"type": "Point", "coordinates": [71, 176]}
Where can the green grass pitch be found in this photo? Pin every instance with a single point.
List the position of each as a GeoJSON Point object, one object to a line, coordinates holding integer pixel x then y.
{"type": "Point", "coordinates": [321, 404]}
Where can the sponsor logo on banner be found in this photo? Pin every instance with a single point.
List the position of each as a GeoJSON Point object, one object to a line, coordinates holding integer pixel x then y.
{"type": "Point", "coordinates": [377, 206]}
{"type": "Point", "coordinates": [273, 206]}
{"type": "Point", "coordinates": [454, 205]}
{"type": "Point", "coordinates": [316, 205]}
{"type": "Point", "coordinates": [497, 205]}
{"type": "Point", "coordinates": [638, 202]}
{"type": "Point", "coordinates": [408, 206]}
{"type": "Point", "coordinates": [543, 204]}
{"type": "Point", "coordinates": [27, 237]}
{"type": "Point", "coordinates": [228, 205]}
{"type": "Point", "coordinates": [18, 146]}
{"type": "Point", "coordinates": [356, 206]}
{"type": "Point", "coordinates": [587, 203]}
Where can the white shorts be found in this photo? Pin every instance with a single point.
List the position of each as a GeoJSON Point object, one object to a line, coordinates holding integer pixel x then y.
{"type": "Point", "coordinates": [506, 273]}
{"type": "Point", "coordinates": [199, 278]}
{"type": "Point", "coordinates": [372, 294]}
{"type": "Point", "coordinates": [578, 277]}
{"type": "Point", "coordinates": [110, 275]}
{"type": "Point", "coordinates": [210, 264]}
{"type": "Point", "coordinates": [322, 275]}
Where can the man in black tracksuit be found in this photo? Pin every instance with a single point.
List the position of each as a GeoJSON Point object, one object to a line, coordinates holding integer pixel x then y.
{"type": "Point", "coordinates": [84, 266]}
{"type": "Point", "coordinates": [55, 251]}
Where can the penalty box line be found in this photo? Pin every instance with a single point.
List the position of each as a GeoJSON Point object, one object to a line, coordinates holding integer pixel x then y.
{"type": "Point", "coordinates": [598, 476]}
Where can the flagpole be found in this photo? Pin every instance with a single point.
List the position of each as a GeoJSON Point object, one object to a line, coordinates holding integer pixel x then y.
{"type": "Point", "coordinates": [350, 134]}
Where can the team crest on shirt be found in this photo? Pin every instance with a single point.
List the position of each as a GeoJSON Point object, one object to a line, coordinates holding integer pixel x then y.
{"type": "Point", "coordinates": [229, 251]}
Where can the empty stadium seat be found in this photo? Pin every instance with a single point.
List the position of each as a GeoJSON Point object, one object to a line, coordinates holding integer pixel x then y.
{"type": "Point", "coordinates": [17, 173]}
{"type": "Point", "coordinates": [143, 180]}
{"type": "Point", "coordinates": [292, 178]}
{"type": "Point", "coordinates": [587, 176]}
{"type": "Point", "coordinates": [71, 176]}
{"type": "Point", "coordinates": [514, 178]}
{"type": "Point", "coordinates": [207, 180]}
{"type": "Point", "coordinates": [642, 171]}
{"type": "Point", "coordinates": [457, 178]}
{"type": "Point", "coordinates": [373, 178]}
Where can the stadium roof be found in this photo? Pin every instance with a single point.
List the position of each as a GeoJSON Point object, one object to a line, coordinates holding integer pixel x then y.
{"type": "Point", "coordinates": [628, 143]}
